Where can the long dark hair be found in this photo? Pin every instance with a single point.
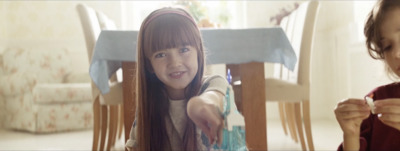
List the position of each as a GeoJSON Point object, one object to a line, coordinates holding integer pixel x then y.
{"type": "Point", "coordinates": [163, 29]}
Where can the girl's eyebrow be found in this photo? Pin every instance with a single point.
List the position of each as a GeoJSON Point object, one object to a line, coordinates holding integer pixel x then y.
{"type": "Point", "coordinates": [183, 46]}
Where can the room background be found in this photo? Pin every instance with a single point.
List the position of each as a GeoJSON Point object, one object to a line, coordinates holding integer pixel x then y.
{"type": "Point", "coordinates": [341, 67]}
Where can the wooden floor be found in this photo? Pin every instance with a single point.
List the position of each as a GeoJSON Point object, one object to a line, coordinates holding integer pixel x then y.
{"type": "Point", "coordinates": [327, 136]}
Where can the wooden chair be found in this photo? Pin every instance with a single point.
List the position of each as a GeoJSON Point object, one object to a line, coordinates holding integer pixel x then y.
{"type": "Point", "coordinates": [106, 107]}
{"type": "Point", "coordinates": [286, 109]}
{"type": "Point", "coordinates": [292, 89]}
{"type": "Point", "coordinates": [115, 107]}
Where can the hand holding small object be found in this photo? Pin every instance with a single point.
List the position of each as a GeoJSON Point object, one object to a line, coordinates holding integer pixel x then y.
{"type": "Point", "coordinates": [203, 111]}
{"type": "Point", "coordinates": [350, 113]}
{"type": "Point", "coordinates": [388, 111]}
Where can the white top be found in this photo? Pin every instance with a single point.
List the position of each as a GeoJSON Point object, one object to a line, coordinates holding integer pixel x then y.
{"type": "Point", "coordinates": [177, 114]}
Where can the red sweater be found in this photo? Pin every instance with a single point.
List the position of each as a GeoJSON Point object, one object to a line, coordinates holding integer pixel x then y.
{"type": "Point", "coordinates": [374, 134]}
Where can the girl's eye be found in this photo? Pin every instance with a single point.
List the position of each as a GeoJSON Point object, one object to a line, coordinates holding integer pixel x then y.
{"type": "Point", "coordinates": [184, 50]}
{"type": "Point", "coordinates": [159, 55]}
{"type": "Point", "coordinates": [387, 48]}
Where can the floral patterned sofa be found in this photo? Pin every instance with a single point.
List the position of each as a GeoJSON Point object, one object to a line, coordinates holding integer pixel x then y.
{"type": "Point", "coordinates": [41, 95]}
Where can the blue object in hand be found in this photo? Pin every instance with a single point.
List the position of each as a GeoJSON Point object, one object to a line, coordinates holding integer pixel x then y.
{"type": "Point", "coordinates": [234, 135]}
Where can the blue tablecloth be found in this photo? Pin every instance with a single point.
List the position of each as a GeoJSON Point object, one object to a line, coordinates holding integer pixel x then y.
{"type": "Point", "coordinates": [223, 46]}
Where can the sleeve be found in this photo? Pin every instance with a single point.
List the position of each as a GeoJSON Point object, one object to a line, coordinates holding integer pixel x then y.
{"type": "Point", "coordinates": [131, 142]}
{"type": "Point", "coordinates": [214, 83]}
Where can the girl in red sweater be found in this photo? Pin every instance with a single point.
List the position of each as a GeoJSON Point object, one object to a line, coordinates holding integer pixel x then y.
{"type": "Point", "coordinates": [381, 130]}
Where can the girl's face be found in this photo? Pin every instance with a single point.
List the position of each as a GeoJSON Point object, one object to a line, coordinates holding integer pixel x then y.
{"type": "Point", "coordinates": [176, 68]}
{"type": "Point", "coordinates": [390, 31]}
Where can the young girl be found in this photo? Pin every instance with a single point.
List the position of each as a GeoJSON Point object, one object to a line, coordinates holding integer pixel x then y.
{"type": "Point", "coordinates": [381, 130]}
{"type": "Point", "coordinates": [177, 107]}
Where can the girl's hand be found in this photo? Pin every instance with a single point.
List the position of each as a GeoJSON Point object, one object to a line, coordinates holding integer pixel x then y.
{"type": "Point", "coordinates": [350, 113]}
{"type": "Point", "coordinates": [203, 111]}
{"type": "Point", "coordinates": [388, 111]}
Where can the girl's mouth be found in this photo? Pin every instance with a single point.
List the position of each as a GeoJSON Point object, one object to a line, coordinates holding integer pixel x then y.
{"type": "Point", "coordinates": [176, 75]}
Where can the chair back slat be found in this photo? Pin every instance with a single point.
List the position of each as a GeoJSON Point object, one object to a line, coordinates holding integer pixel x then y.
{"type": "Point", "coordinates": [90, 26]}
{"type": "Point", "coordinates": [299, 28]}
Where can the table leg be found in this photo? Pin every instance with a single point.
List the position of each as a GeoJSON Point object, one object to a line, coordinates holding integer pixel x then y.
{"type": "Point", "coordinates": [254, 109]}
{"type": "Point", "coordinates": [129, 95]}
{"type": "Point", "coordinates": [237, 88]}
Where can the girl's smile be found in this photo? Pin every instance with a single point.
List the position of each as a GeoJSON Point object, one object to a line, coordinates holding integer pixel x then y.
{"type": "Point", "coordinates": [177, 75]}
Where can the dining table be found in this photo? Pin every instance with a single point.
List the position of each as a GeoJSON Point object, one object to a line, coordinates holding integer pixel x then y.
{"type": "Point", "coordinates": [244, 49]}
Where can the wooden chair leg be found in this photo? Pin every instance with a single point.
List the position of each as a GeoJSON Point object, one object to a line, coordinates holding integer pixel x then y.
{"type": "Point", "coordinates": [104, 124]}
{"type": "Point", "coordinates": [121, 121]}
{"type": "Point", "coordinates": [115, 125]}
{"type": "Point", "coordinates": [299, 124]}
{"type": "Point", "coordinates": [283, 117]}
{"type": "Point", "coordinates": [307, 124]}
{"type": "Point", "coordinates": [111, 128]}
{"type": "Point", "coordinates": [289, 108]}
{"type": "Point", "coordinates": [96, 124]}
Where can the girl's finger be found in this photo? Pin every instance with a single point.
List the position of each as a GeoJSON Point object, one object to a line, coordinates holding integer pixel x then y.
{"type": "Point", "coordinates": [215, 122]}
{"type": "Point", "coordinates": [384, 102]}
{"type": "Point", "coordinates": [204, 127]}
{"type": "Point", "coordinates": [352, 107]}
{"type": "Point", "coordinates": [215, 125]}
{"type": "Point", "coordinates": [388, 109]}
{"type": "Point", "coordinates": [389, 118]}
{"type": "Point", "coordinates": [352, 101]}
{"type": "Point", "coordinates": [352, 115]}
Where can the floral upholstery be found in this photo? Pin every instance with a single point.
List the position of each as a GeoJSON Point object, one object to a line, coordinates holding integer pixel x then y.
{"type": "Point", "coordinates": [37, 97]}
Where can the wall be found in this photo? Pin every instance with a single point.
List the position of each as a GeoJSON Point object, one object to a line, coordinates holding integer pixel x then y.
{"type": "Point", "coordinates": [338, 55]}
{"type": "Point", "coordinates": [351, 72]}
{"type": "Point", "coordinates": [328, 65]}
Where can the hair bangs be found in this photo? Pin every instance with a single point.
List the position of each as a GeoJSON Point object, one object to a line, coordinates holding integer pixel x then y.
{"type": "Point", "coordinates": [170, 31]}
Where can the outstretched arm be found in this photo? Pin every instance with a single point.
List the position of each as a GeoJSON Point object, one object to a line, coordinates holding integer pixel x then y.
{"type": "Point", "coordinates": [205, 111]}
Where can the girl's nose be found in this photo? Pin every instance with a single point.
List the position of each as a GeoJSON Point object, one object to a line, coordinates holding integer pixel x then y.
{"type": "Point", "coordinates": [175, 60]}
{"type": "Point", "coordinates": [396, 52]}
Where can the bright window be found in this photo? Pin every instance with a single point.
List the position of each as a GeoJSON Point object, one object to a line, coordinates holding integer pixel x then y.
{"type": "Point", "coordinates": [218, 13]}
